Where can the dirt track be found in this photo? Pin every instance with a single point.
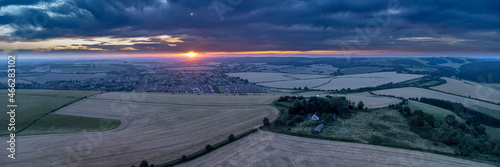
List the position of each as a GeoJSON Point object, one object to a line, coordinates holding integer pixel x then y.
{"type": "Point", "coordinates": [150, 130]}
{"type": "Point", "coordinates": [272, 149]}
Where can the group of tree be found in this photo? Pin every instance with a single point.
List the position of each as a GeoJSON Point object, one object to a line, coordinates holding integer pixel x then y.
{"type": "Point", "coordinates": [314, 105]}
{"type": "Point", "coordinates": [486, 72]}
{"type": "Point", "coordinates": [467, 139]}
{"type": "Point", "coordinates": [144, 163]}
{"type": "Point", "coordinates": [290, 98]}
{"type": "Point", "coordinates": [327, 109]}
{"type": "Point", "coordinates": [472, 116]}
{"type": "Point", "coordinates": [300, 88]}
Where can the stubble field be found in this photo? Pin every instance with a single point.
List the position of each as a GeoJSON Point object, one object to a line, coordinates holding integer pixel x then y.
{"type": "Point", "coordinates": [469, 88]}
{"type": "Point", "coordinates": [331, 83]}
{"type": "Point", "coordinates": [154, 127]}
{"type": "Point", "coordinates": [490, 109]}
{"type": "Point", "coordinates": [272, 149]}
{"type": "Point", "coordinates": [366, 80]}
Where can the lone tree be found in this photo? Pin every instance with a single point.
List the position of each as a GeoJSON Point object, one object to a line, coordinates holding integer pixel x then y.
{"type": "Point", "coordinates": [144, 163]}
{"type": "Point", "coordinates": [266, 121]}
{"type": "Point", "coordinates": [209, 148]}
{"type": "Point", "coordinates": [361, 105]}
{"type": "Point", "coordinates": [231, 138]}
{"type": "Point", "coordinates": [406, 111]}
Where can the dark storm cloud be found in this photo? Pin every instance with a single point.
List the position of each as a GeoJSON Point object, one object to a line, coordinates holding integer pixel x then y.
{"type": "Point", "coordinates": [23, 2]}
{"type": "Point", "coordinates": [252, 25]}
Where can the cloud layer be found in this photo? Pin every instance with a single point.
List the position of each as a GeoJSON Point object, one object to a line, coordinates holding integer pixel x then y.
{"type": "Point", "coordinates": [423, 26]}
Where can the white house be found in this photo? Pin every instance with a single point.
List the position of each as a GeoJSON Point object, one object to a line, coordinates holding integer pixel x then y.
{"type": "Point", "coordinates": [314, 117]}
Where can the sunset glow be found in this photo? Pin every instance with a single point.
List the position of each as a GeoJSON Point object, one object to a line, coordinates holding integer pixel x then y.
{"type": "Point", "coordinates": [191, 54]}
{"type": "Point", "coordinates": [296, 52]}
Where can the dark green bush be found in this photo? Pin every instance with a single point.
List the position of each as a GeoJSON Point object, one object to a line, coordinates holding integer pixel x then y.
{"type": "Point", "coordinates": [266, 121]}
{"type": "Point", "coordinates": [230, 138]}
{"type": "Point", "coordinates": [375, 140]}
{"type": "Point", "coordinates": [209, 148]}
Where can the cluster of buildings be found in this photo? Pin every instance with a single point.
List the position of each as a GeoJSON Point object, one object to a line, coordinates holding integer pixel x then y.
{"type": "Point", "coordinates": [199, 81]}
{"type": "Point", "coordinates": [210, 80]}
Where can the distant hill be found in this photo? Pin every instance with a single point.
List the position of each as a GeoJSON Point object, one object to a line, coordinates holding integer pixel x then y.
{"type": "Point", "coordinates": [455, 60]}
{"type": "Point", "coordinates": [486, 72]}
{"type": "Point", "coordinates": [434, 61]}
{"type": "Point", "coordinates": [410, 62]}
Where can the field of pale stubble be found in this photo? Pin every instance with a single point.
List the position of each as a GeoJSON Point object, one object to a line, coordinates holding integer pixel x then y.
{"type": "Point", "coordinates": [469, 88]}
{"type": "Point", "coordinates": [354, 81]}
{"type": "Point", "coordinates": [407, 92]}
{"type": "Point", "coordinates": [272, 149]}
{"type": "Point", "coordinates": [155, 127]}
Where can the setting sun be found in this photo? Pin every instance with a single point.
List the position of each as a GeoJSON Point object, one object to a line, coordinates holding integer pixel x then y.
{"type": "Point", "coordinates": [191, 54]}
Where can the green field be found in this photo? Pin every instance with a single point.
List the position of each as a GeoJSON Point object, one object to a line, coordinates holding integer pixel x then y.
{"type": "Point", "coordinates": [421, 69]}
{"type": "Point", "coordinates": [441, 113]}
{"type": "Point", "coordinates": [493, 132]}
{"type": "Point", "coordinates": [429, 84]}
{"type": "Point", "coordinates": [495, 113]}
{"type": "Point", "coordinates": [435, 111]}
{"type": "Point", "coordinates": [37, 105]}
{"type": "Point", "coordinates": [420, 60]}
{"type": "Point", "coordinates": [416, 80]}
{"type": "Point", "coordinates": [58, 123]}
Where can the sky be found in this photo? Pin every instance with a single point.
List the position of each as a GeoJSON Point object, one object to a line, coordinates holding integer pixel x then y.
{"type": "Point", "coordinates": [250, 27]}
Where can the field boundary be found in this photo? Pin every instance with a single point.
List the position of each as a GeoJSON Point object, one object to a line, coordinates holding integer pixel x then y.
{"type": "Point", "coordinates": [384, 145]}
{"type": "Point", "coordinates": [464, 96]}
{"type": "Point", "coordinates": [52, 111]}
{"type": "Point", "coordinates": [189, 157]}
{"type": "Point", "coordinates": [324, 83]}
{"type": "Point", "coordinates": [179, 104]}
{"type": "Point", "coordinates": [398, 146]}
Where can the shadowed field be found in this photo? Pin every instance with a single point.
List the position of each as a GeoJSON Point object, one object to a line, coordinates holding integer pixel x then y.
{"type": "Point", "coordinates": [272, 149]}
{"type": "Point", "coordinates": [154, 127]}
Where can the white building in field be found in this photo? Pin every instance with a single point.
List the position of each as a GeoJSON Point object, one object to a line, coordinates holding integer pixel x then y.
{"type": "Point", "coordinates": [315, 117]}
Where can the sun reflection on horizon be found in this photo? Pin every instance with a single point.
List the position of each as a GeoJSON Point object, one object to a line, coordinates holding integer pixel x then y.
{"type": "Point", "coordinates": [191, 54]}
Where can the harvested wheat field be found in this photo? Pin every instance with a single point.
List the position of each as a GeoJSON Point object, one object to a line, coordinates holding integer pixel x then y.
{"type": "Point", "coordinates": [345, 81]}
{"type": "Point", "coordinates": [469, 88]}
{"type": "Point", "coordinates": [154, 127]}
{"type": "Point", "coordinates": [491, 109]}
{"type": "Point", "coordinates": [366, 80]}
{"type": "Point", "coordinates": [272, 149]}
{"type": "Point", "coordinates": [435, 111]}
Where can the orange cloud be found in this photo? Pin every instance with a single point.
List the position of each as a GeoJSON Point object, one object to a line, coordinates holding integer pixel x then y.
{"type": "Point", "coordinates": [295, 52]}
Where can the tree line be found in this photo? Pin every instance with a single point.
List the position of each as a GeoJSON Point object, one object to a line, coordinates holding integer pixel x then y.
{"type": "Point", "coordinates": [472, 116]}
{"type": "Point", "coordinates": [327, 109]}
{"type": "Point", "coordinates": [467, 139]}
